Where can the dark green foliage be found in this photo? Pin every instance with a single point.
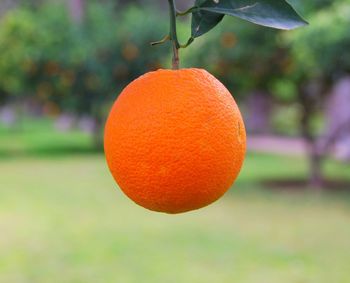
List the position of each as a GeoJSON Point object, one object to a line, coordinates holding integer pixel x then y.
{"type": "Point", "coordinates": [77, 67]}
{"type": "Point", "coordinates": [322, 50]}
{"type": "Point", "coordinates": [204, 21]}
{"type": "Point", "coordinates": [270, 13]}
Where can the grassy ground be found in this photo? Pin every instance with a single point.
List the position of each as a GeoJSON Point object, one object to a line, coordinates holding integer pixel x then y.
{"type": "Point", "coordinates": [63, 220]}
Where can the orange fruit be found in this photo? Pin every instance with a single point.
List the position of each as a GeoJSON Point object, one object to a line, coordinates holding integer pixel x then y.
{"type": "Point", "coordinates": [175, 140]}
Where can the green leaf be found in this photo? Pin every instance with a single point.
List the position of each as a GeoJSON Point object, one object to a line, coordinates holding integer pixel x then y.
{"type": "Point", "coordinates": [271, 13]}
{"type": "Point", "coordinates": [203, 21]}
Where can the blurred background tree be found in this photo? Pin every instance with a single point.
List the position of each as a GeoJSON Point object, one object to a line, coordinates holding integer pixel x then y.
{"type": "Point", "coordinates": [321, 62]}
{"type": "Point", "coordinates": [76, 64]}
{"type": "Point", "coordinates": [268, 72]}
{"type": "Point", "coordinates": [73, 58]}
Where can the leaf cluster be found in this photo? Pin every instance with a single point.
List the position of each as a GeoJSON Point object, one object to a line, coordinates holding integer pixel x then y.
{"type": "Point", "coordinates": [206, 14]}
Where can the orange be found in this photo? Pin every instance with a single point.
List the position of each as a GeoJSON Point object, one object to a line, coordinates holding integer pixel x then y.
{"type": "Point", "coordinates": [175, 140]}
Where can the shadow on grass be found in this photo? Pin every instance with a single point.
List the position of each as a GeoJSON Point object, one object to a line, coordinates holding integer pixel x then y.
{"type": "Point", "coordinates": [303, 184]}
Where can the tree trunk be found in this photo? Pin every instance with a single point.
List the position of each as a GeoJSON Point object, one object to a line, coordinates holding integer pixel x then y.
{"type": "Point", "coordinates": [316, 180]}
{"type": "Point", "coordinates": [314, 154]}
{"type": "Point", "coordinates": [98, 133]}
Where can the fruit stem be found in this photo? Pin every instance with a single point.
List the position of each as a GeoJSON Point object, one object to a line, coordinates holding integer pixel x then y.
{"type": "Point", "coordinates": [164, 39]}
{"type": "Point", "coordinates": [173, 35]}
{"type": "Point", "coordinates": [184, 13]}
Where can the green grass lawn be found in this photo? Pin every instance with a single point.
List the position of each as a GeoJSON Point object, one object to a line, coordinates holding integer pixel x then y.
{"type": "Point", "coordinates": [62, 219]}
